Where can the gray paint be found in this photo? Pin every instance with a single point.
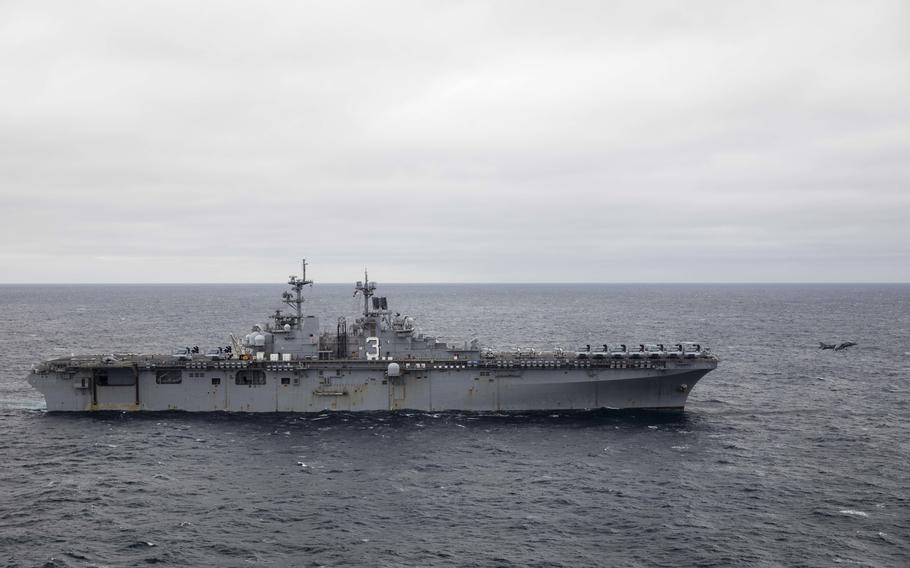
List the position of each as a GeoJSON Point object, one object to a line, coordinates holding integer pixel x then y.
{"type": "Point", "coordinates": [303, 372]}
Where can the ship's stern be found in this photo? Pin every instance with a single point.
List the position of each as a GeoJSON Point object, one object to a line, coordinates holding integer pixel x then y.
{"type": "Point", "coordinates": [61, 393]}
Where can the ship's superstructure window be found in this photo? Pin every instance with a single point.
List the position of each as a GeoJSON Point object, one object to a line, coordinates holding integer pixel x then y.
{"type": "Point", "coordinates": [216, 380]}
{"type": "Point", "coordinates": [285, 380]}
{"type": "Point", "coordinates": [169, 377]}
{"type": "Point", "coordinates": [250, 377]}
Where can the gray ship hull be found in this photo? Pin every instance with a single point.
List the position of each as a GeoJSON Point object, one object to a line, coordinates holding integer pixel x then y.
{"type": "Point", "coordinates": [317, 386]}
{"type": "Point", "coordinates": [380, 362]}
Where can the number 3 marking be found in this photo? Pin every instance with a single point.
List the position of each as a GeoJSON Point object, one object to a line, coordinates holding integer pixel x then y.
{"type": "Point", "coordinates": [372, 348]}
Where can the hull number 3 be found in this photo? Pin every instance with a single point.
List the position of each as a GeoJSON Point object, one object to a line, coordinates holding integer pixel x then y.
{"type": "Point", "coordinates": [372, 351]}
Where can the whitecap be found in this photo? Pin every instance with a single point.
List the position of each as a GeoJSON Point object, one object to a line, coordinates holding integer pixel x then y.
{"type": "Point", "coordinates": [853, 513]}
{"type": "Point", "coordinates": [22, 404]}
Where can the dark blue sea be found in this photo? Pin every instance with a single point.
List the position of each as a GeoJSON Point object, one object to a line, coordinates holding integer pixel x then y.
{"type": "Point", "coordinates": [786, 455]}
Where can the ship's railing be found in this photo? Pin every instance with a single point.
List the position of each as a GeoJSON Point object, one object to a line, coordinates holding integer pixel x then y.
{"type": "Point", "coordinates": [498, 361]}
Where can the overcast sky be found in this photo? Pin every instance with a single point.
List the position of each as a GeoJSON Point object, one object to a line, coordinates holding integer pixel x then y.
{"type": "Point", "coordinates": [455, 141]}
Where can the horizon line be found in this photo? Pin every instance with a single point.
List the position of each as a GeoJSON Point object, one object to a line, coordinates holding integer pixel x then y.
{"type": "Point", "coordinates": [498, 283]}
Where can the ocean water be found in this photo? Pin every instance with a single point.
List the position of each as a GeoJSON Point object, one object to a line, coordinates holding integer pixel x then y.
{"type": "Point", "coordinates": [786, 455]}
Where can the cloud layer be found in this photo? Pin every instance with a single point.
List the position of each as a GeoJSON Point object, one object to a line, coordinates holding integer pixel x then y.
{"type": "Point", "coordinates": [466, 141]}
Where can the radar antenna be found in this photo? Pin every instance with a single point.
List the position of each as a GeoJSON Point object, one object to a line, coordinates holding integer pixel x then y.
{"type": "Point", "coordinates": [295, 300]}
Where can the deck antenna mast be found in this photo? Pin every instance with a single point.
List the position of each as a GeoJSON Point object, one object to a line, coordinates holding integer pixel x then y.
{"type": "Point", "coordinates": [366, 288]}
{"type": "Point", "coordinates": [296, 300]}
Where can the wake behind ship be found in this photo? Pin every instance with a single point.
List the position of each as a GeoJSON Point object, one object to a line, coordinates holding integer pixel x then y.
{"type": "Point", "coordinates": [379, 361]}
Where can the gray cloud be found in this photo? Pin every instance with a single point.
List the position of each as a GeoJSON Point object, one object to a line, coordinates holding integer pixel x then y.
{"type": "Point", "coordinates": [469, 141]}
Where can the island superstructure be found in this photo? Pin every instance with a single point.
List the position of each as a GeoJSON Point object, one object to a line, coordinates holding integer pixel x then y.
{"type": "Point", "coordinates": [377, 362]}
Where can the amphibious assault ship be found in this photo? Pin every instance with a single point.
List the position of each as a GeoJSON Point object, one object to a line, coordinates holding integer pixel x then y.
{"type": "Point", "coordinates": [380, 361]}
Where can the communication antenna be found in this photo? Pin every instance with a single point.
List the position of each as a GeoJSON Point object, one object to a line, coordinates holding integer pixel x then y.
{"type": "Point", "coordinates": [366, 288]}
{"type": "Point", "coordinates": [295, 300]}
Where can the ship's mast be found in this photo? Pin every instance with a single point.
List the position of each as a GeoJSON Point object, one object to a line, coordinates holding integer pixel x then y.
{"type": "Point", "coordinates": [366, 288]}
{"type": "Point", "coordinates": [296, 300]}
